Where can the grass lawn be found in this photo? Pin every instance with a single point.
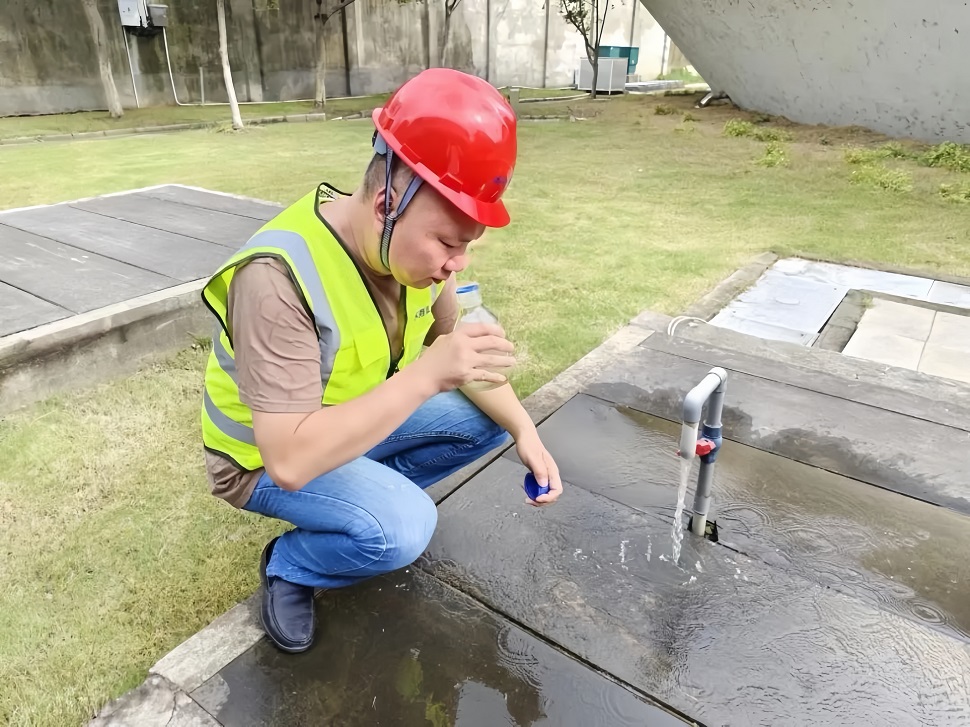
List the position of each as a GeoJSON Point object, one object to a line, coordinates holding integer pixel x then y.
{"type": "Point", "coordinates": [113, 550]}
{"type": "Point", "coordinates": [34, 126]}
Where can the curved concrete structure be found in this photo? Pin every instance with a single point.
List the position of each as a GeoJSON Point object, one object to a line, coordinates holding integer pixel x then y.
{"type": "Point", "coordinates": [894, 66]}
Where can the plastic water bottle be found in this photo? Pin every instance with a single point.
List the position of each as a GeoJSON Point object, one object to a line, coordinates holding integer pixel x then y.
{"type": "Point", "coordinates": [473, 310]}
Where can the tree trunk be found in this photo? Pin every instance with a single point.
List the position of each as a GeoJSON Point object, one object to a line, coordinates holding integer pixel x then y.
{"type": "Point", "coordinates": [445, 31]}
{"type": "Point", "coordinates": [320, 95]}
{"type": "Point", "coordinates": [104, 63]}
{"type": "Point", "coordinates": [237, 122]}
{"type": "Point", "coordinates": [594, 61]}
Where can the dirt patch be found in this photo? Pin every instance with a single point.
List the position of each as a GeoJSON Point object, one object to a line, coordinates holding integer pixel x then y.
{"type": "Point", "coordinates": [676, 105]}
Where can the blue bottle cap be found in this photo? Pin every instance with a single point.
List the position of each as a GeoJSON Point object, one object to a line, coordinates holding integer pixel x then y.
{"type": "Point", "coordinates": [532, 488]}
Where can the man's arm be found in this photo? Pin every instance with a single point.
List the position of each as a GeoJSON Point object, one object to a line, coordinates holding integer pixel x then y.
{"type": "Point", "coordinates": [278, 362]}
{"type": "Point", "coordinates": [296, 448]}
{"type": "Point", "coordinates": [501, 404]}
{"type": "Point", "coordinates": [503, 407]}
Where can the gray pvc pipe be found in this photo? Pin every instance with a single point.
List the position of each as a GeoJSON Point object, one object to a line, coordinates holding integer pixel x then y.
{"type": "Point", "coordinates": [694, 401]}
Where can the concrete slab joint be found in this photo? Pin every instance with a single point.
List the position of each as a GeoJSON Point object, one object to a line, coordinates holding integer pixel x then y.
{"type": "Point", "coordinates": [156, 703]}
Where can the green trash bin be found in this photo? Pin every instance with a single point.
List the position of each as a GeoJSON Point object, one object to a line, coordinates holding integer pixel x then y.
{"type": "Point", "coordinates": [631, 66]}
{"type": "Point", "coordinates": [631, 53]}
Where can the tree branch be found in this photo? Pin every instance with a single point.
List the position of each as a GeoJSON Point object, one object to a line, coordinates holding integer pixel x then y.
{"type": "Point", "coordinates": [340, 6]}
{"type": "Point", "coordinates": [606, 9]}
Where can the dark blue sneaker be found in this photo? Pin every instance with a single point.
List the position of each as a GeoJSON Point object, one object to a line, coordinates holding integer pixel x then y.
{"type": "Point", "coordinates": [287, 609]}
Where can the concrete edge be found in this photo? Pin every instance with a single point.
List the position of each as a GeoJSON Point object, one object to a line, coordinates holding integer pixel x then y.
{"type": "Point", "coordinates": [946, 392]}
{"type": "Point", "coordinates": [91, 348]}
{"type": "Point", "coordinates": [82, 199]}
{"type": "Point", "coordinates": [844, 321]}
{"type": "Point", "coordinates": [197, 659]}
{"type": "Point", "coordinates": [927, 304]}
{"type": "Point", "coordinates": [160, 129]}
{"type": "Point", "coordinates": [231, 195]}
{"type": "Point", "coordinates": [842, 324]}
{"type": "Point", "coordinates": [155, 703]}
{"type": "Point", "coordinates": [710, 304]}
{"type": "Point", "coordinates": [231, 634]}
{"type": "Point", "coordinates": [923, 273]}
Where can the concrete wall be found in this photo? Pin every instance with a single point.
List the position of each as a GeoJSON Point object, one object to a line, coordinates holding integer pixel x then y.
{"type": "Point", "coordinates": [896, 66]}
{"type": "Point", "coordinates": [48, 64]}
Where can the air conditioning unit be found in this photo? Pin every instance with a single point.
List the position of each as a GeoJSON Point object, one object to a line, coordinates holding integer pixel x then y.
{"type": "Point", "coordinates": [611, 78]}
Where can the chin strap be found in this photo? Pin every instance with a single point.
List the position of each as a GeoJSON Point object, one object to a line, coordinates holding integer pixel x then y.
{"type": "Point", "coordinates": [381, 147]}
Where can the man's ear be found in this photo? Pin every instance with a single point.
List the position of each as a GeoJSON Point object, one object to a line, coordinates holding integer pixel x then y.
{"type": "Point", "coordinates": [378, 203]}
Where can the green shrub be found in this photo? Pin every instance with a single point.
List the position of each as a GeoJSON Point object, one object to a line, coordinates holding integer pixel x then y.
{"type": "Point", "coordinates": [948, 155]}
{"type": "Point", "coordinates": [739, 127]}
{"type": "Point", "coordinates": [775, 155]}
{"type": "Point", "coordinates": [880, 177]}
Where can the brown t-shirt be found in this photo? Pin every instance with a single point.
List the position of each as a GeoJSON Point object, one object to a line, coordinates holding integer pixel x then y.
{"type": "Point", "coordinates": [278, 354]}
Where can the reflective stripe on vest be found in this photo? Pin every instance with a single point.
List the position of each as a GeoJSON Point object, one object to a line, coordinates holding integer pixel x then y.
{"type": "Point", "coordinates": [355, 352]}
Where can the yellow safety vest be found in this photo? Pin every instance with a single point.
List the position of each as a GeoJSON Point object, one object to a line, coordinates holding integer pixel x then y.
{"type": "Point", "coordinates": [355, 351]}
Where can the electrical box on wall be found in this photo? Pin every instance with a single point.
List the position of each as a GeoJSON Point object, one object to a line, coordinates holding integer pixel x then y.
{"type": "Point", "coordinates": [134, 13]}
{"type": "Point", "coordinates": [158, 15]}
{"type": "Point", "coordinates": [141, 18]}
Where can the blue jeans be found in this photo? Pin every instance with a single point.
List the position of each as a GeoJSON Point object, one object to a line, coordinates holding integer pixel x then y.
{"type": "Point", "coordinates": [372, 516]}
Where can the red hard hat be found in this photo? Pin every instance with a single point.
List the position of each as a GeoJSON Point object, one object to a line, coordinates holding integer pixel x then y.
{"type": "Point", "coordinates": [457, 132]}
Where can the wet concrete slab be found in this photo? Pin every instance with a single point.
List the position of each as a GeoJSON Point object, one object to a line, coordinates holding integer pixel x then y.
{"type": "Point", "coordinates": [826, 600]}
{"type": "Point", "coordinates": [405, 650]}
{"type": "Point", "coordinates": [823, 372]}
{"type": "Point", "coordinates": [721, 636]}
{"type": "Point", "coordinates": [897, 554]}
{"type": "Point", "coordinates": [910, 456]}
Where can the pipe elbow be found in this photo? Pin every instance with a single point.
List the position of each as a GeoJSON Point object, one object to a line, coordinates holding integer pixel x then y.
{"type": "Point", "coordinates": [696, 397]}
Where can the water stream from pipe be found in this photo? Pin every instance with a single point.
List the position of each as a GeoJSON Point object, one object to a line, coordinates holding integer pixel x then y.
{"type": "Point", "coordinates": [678, 529]}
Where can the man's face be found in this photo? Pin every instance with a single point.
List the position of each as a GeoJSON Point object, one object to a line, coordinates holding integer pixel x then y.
{"type": "Point", "coordinates": [430, 240]}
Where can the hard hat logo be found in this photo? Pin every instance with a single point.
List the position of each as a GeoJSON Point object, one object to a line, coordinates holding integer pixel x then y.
{"type": "Point", "coordinates": [457, 133]}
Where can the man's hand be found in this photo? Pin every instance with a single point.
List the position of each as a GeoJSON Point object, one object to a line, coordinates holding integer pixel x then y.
{"type": "Point", "coordinates": [466, 355]}
{"type": "Point", "coordinates": [536, 457]}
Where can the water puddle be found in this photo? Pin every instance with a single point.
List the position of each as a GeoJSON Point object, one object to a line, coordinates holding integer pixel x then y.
{"type": "Point", "coordinates": [905, 556]}
{"type": "Point", "coordinates": [405, 650]}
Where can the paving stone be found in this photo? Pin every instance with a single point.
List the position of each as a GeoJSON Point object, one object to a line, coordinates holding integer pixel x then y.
{"type": "Point", "coordinates": [735, 321]}
{"type": "Point", "coordinates": [889, 318]}
{"type": "Point", "coordinates": [210, 225]}
{"type": "Point", "coordinates": [176, 256]}
{"type": "Point", "coordinates": [886, 348]}
{"type": "Point", "coordinates": [20, 311]}
{"type": "Point", "coordinates": [722, 637]}
{"type": "Point", "coordinates": [950, 363]}
{"type": "Point", "coordinates": [193, 197]}
{"type": "Point", "coordinates": [789, 301]}
{"type": "Point", "coordinates": [950, 294]}
{"type": "Point", "coordinates": [69, 276]}
{"type": "Point", "coordinates": [873, 443]}
{"type": "Point", "coordinates": [860, 278]}
{"type": "Point", "coordinates": [156, 703]}
{"type": "Point", "coordinates": [404, 650]}
{"type": "Point", "coordinates": [951, 331]}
